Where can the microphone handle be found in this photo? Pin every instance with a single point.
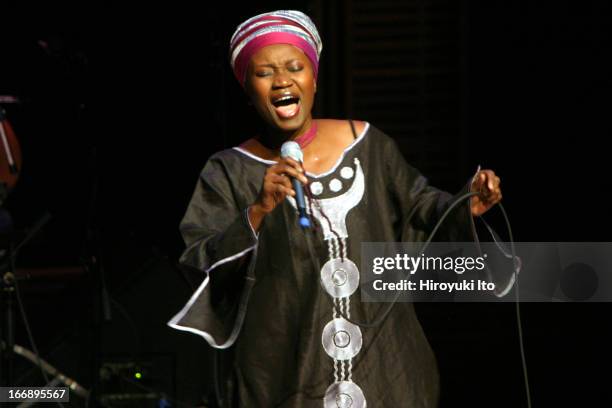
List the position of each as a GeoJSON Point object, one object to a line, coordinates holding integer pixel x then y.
{"type": "Point", "coordinates": [301, 203]}
{"type": "Point", "coordinates": [299, 193]}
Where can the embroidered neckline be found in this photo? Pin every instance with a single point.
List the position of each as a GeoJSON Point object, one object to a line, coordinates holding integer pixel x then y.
{"type": "Point", "coordinates": [309, 174]}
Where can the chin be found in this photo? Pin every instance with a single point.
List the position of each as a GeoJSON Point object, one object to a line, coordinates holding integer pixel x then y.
{"type": "Point", "coordinates": [287, 124]}
{"type": "Point", "coordinates": [290, 125]}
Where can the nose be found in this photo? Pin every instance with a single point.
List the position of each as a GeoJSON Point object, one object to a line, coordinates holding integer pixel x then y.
{"type": "Point", "coordinates": [281, 80]}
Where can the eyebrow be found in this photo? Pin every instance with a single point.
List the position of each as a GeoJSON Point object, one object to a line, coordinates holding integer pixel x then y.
{"type": "Point", "coordinates": [274, 66]}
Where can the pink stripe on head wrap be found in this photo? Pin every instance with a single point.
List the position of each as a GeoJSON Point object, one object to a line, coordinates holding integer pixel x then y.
{"type": "Point", "coordinates": [278, 27]}
{"type": "Point", "coordinates": [242, 61]}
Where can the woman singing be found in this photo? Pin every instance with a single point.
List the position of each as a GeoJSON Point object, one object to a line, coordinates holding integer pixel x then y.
{"type": "Point", "coordinates": [260, 295]}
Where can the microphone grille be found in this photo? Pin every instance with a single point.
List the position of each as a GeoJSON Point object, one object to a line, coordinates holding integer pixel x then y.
{"type": "Point", "coordinates": [292, 149]}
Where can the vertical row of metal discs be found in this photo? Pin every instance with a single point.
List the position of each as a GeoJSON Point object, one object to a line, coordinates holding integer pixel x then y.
{"type": "Point", "coordinates": [341, 339]}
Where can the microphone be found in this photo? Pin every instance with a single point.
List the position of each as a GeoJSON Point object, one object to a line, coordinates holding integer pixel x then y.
{"type": "Point", "coordinates": [292, 149]}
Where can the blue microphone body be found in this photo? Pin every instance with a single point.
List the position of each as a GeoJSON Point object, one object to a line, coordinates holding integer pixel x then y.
{"type": "Point", "coordinates": [292, 149]}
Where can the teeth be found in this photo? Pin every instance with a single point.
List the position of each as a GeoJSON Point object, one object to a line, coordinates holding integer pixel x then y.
{"type": "Point", "coordinates": [284, 98]}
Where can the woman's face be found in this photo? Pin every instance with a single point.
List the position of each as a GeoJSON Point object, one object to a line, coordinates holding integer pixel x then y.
{"type": "Point", "coordinates": [281, 84]}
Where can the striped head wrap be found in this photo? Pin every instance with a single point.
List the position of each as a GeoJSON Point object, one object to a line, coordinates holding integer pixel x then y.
{"type": "Point", "coordinates": [277, 27]}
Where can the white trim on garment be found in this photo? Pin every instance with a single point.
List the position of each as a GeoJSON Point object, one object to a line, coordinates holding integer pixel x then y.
{"type": "Point", "coordinates": [207, 336]}
{"type": "Point", "coordinates": [312, 175]}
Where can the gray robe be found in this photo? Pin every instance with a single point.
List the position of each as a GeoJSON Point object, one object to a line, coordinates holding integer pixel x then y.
{"type": "Point", "coordinates": [260, 296]}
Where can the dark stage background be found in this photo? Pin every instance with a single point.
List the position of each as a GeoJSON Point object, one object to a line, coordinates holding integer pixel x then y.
{"type": "Point", "coordinates": [121, 105]}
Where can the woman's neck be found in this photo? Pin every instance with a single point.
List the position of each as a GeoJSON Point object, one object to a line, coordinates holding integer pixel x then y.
{"type": "Point", "coordinates": [273, 138]}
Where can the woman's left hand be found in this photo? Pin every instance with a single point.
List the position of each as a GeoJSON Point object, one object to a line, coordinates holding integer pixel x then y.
{"type": "Point", "coordinates": [487, 184]}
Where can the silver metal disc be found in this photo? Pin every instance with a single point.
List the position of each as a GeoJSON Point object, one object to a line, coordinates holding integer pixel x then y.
{"type": "Point", "coordinates": [340, 279]}
{"type": "Point", "coordinates": [344, 394]}
{"type": "Point", "coordinates": [341, 339]}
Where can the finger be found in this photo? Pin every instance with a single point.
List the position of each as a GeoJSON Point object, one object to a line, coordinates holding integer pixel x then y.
{"type": "Point", "coordinates": [477, 182]}
{"type": "Point", "coordinates": [496, 183]}
{"type": "Point", "coordinates": [277, 186]}
{"type": "Point", "coordinates": [287, 190]}
{"type": "Point", "coordinates": [293, 163]}
{"type": "Point", "coordinates": [492, 199]}
{"type": "Point", "coordinates": [285, 169]}
{"type": "Point", "coordinates": [283, 191]}
{"type": "Point", "coordinates": [482, 181]}
{"type": "Point", "coordinates": [476, 201]}
{"type": "Point", "coordinates": [282, 168]}
{"type": "Point", "coordinates": [489, 178]}
{"type": "Point", "coordinates": [280, 179]}
{"type": "Point", "coordinates": [298, 166]}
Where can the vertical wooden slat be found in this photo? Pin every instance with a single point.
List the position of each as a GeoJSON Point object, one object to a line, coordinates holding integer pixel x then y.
{"type": "Point", "coordinates": [405, 75]}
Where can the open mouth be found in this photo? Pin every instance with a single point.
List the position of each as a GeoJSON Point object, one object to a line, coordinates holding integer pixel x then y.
{"type": "Point", "coordinates": [286, 106]}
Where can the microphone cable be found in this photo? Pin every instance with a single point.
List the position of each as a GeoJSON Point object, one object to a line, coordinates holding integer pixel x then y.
{"type": "Point", "coordinates": [516, 262]}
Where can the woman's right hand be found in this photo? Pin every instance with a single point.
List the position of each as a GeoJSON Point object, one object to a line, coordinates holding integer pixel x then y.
{"type": "Point", "coordinates": [276, 186]}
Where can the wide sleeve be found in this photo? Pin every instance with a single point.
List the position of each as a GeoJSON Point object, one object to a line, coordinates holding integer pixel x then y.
{"type": "Point", "coordinates": [421, 207]}
{"type": "Point", "coordinates": [221, 248]}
